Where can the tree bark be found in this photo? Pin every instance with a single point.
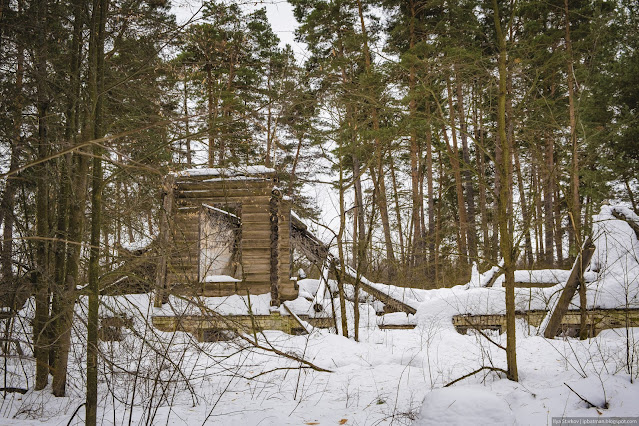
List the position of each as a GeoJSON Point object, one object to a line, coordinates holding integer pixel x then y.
{"type": "Point", "coordinates": [41, 276]}
{"type": "Point", "coordinates": [100, 9]}
{"type": "Point", "coordinates": [70, 220]}
{"type": "Point", "coordinates": [415, 166]}
{"type": "Point", "coordinates": [397, 211]}
{"type": "Point", "coordinates": [379, 183]}
{"type": "Point", "coordinates": [453, 154]}
{"type": "Point", "coordinates": [468, 181]}
{"type": "Point", "coordinates": [187, 124]}
{"type": "Point", "coordinates": [549, 189]}
{"type": "Point", "coordinates": [211, 108]}
{"type": "Point", "coordinates": [575, 208]}
{"type": "Point", "coordinates": [8, 197]}
{"type": "Point", "coordinates": [431, 200]}
{"type": "Point", "coordinates": [506, 234]}
{"type": "Point", "coordinates": [525, 210]}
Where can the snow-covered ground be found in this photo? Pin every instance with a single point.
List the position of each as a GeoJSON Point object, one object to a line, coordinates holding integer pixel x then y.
{"type": "Point", "coordinates": [389, 377]}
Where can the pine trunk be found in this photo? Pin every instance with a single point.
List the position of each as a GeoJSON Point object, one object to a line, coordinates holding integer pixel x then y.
{"type": "Point", "coordinates": [468, 181]}
{"type": "Point", "coordinates": [503, 201]}
{"type": "Point", "coordinates": [41, 276]}
{"type": "Point", "coordinates": [100, 9]}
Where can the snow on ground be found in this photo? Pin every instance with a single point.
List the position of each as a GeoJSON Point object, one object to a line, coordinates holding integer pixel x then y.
{"type": "Point", "coordinates": [389, 377]}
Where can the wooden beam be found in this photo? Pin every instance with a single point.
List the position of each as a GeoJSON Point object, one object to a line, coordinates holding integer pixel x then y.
{"type": "Point", "coordinates": [557, 313]}
{"type": "Point", "coordinates": [163, 238]}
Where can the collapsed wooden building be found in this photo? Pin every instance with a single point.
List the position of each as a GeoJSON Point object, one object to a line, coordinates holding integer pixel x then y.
{"type": "Point", "coordinates": [231, 232]}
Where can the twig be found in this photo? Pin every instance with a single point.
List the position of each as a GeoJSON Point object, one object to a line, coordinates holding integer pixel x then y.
{"type": "Point", "coordinates": [284, 354]}
{"type": "Point", "coordinates": [472, 373]}
{"type": "Point", "coordinates": [477, 329]}
{"type": "Point", "coordinates": [15, 390]}
{"type": "Point", "coordinates": [301, 367]}
{"type": "Point", "coordinates": [76, 412]}
{"type": "Point", "coordinates": [590, 404]}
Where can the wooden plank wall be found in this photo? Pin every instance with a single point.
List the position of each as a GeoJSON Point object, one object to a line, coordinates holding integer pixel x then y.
{"type": "Point", "coordinates": [251, 200]}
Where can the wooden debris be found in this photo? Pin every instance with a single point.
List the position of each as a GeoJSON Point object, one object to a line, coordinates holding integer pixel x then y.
{"type": "Point", "coordinates": [552, 325]}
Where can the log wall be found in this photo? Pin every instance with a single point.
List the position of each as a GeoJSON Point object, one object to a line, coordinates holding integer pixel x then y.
{"type": "Point", "coordinates": [263, 241]}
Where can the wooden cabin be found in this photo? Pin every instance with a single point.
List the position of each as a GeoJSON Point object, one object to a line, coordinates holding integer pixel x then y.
{"type": "Point", "coordinates": [224, 232]}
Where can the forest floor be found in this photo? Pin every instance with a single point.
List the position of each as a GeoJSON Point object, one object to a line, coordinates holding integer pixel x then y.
{"type": "Point", "coordinates": [389, 377]}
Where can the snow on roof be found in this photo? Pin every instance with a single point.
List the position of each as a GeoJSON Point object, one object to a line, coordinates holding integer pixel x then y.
{"type": "Point", "coordinates": [227, 172]}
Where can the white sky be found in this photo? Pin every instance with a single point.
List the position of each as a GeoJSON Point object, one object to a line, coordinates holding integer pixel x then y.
{"type": "Point", "coordinates": [279, 13]}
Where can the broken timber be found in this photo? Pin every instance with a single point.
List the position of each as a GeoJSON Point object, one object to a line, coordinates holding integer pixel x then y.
{"type": "Point", "coordinates": [315, 250]}
{"type": "Point", "coordinates": [554, 317]}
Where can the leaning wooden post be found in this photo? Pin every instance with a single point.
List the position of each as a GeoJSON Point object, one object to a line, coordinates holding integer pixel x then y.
{"type": "Point", "coordinates": [576, 278]}
{"type": "Point", "coordinates": [168, 196]}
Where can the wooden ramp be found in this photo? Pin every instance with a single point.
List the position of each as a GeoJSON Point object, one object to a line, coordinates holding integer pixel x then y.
{"type": "Point", "coordinates": [315, 250]}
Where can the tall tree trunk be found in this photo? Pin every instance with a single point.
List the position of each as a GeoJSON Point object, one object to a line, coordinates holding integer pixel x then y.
{"type": "Point", "coordinates": [211, 111]}
{"type": "Point", "coordinates": [559, 228]}
{"type": "Point", "coordinates": [549, 189]}
{"type": "Point", "coordinates": [41, 277]}
{"type": "Point", "coordinates": [8, 197]}
{"type": "Point", "coordinates": [506, 234]}
{"type": "Point", "coordinates": [68, 254]}
{"type": "Point", "coordinates": [575, 208]}
{"type": "Point", "coordinates": [468, 181]}
{"type": "Point", "coordinates": [539, 231]}
{"type": "Point", "coordinates": [359, 256]}
{"type": "Point", "coordinates": [380, 192]}
{"type": "Point", "coordinates": [417, 248]}
{"type": "Point", "coordinates": [379, 183]}
{"type": "Point", "coordinates": [431, 199]}
{"type": "Point", "coordinates": [454, 162]}
{"type": "Point", "coordinates": [438, 225]}
{"type": "Point", "coordinates": [187, 124]}
{"type": "Point", "coordinates": [339, 271]}
{"type": "Point", "coordinates": [100, 9]}
{"type": "Point", "coordinates": [397, 211]}
{"type": "Point", "coordinates": [525, 210]}
{"type": "Point", "coordinates": [480, 156]}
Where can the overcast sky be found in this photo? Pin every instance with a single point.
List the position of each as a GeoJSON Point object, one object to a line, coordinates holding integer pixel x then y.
{"type": "Point", "coordinates": [279, 12]}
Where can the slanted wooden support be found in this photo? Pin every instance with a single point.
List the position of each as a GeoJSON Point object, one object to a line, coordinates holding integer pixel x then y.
{"type": "Point", "coordinates": [318, 302]}
{"type": "Point", "coordinates": [385, 298]}
{"type": "Point", "coordinates": [556, 314]}
{"type": "Point", "coordinates": [316, 251]}
{"type": "Point", "coordinates": [297, 319]}
{"type": "Point", "coordinates": [168, 194]}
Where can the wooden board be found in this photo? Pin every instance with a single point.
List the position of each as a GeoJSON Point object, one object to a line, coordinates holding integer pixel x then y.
{"type": "Point", "coordinates": [576, 277]}
{"type": "Point", "coordinates": [534, 285]}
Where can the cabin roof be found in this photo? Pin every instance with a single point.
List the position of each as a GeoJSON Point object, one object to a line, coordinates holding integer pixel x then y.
{"type": "Point", "coordinates": [233, 173]}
